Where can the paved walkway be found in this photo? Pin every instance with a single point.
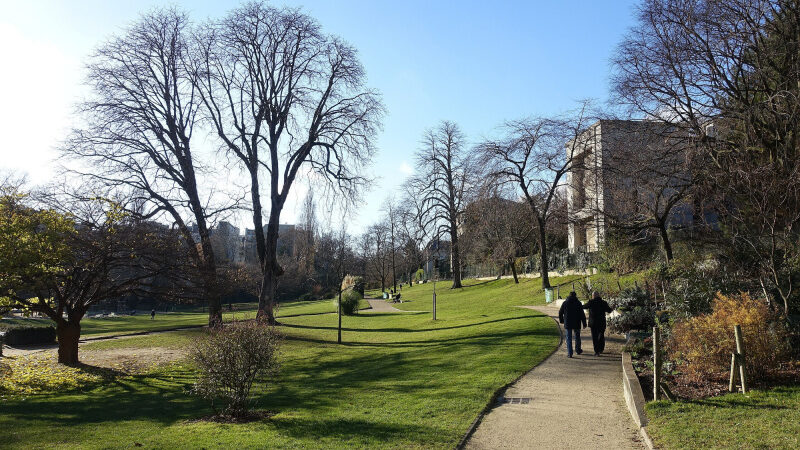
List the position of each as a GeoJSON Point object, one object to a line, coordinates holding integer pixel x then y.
{"type": "Point", "coordinates": [574, 403]}
{"type": "Point", "coordinates": [379, 305]}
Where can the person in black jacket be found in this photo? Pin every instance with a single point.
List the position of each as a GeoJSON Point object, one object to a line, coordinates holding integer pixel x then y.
{"type": "Point", "coordinates": [572, 316]}
{"type": "Point", "coordinates": [598, 308]}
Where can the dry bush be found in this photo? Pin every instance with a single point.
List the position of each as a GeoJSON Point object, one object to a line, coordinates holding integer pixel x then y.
{"type": "Point", "coordinates": [706, 342]}
{"type": "Point", "coordinates": [230, 359]}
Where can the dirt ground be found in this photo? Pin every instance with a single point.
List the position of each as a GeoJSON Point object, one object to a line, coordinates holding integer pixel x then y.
{"type": "Point", "coordinates": [126, 360]}
{"type": "Point", "coordinates": [572, 403]}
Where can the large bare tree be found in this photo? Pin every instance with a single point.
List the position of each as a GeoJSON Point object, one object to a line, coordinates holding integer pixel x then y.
{"type": "Point", "coordinates": [287, 101]}
{"type": "Point", "coordinates": [442, 186]}
{"type": "Point", "coordinates": [139, 122]}
{"type": "Point", "coordinates": [535, 155]}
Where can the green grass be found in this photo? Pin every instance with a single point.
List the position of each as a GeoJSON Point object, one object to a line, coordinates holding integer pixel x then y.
{"type": "Point", "coordinates": [121, 325]}
{"type": "Point", "coordinates": [760, 419]}
{"type": "Point", "coordinates": [398, 381]}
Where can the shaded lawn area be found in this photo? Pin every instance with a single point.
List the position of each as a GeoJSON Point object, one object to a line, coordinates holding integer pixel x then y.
{"type": "Point", "coordinates": [760, 419]}
{"type": "Point", "coordinates": [399, 381]}
{"type": "Point", "coordinates": [194, 317]}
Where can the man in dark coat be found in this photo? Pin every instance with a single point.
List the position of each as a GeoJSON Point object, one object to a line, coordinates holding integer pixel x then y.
{"type": "Point", "coordinates": [572, 316]}
{"type": "Point", "coordinates": [598, 308]}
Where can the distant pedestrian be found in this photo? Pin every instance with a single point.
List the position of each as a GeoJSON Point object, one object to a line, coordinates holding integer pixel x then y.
{"type": "Point", "coordinates": [572, 316]}
{"type": "Point", "coordinates": [598, 308]}
{"type": "Point", "coordinates": [153, 314]}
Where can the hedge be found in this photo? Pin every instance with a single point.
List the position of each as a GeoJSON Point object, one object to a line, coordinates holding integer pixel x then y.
{"type": "Point", "coordinates": [27, 332]}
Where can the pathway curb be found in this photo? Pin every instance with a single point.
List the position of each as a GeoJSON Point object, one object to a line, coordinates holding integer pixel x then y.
{"type": "Point", "coordinates": [502, 389]}
{"type": "Point", "coordinates": [634, 398]}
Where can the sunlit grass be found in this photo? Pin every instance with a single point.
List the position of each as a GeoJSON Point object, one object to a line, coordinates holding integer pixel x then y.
{"type": "Point", "coordinates": [399, 380]}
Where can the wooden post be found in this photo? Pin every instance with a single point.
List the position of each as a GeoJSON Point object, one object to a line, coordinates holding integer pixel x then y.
{"type": "Point", "coordinates": [737, 330]}
{"type": "Point", "coordinates": [732, 383]}
{"type": "Point", "coordinates": [656, 364]}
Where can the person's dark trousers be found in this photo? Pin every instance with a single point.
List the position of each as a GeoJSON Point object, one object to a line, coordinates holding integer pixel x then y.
{"type": "Point", "coordinates": [577, 334]}
{"type": "Point", "coordinates": [599, 339]}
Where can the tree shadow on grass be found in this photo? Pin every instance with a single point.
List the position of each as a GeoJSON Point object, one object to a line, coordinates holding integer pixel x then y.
{"type": "Point", "coordinates": [405, 330]}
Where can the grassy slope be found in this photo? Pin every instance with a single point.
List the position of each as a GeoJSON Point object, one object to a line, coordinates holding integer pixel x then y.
{"type": "Point", "coordinates": [400, 380]}
{"type": "Point", "coordinates": [760, 419]}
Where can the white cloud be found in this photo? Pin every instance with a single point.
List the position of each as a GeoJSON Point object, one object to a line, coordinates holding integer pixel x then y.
{"type": "Point", "coordinates": [406, 169]}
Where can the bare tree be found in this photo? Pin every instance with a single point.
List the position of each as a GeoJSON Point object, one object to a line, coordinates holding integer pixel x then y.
{"type": "Point", "coordinates": [140, 120]}
{"type": "Point", "coordinates": [377, 254]}
{"type": "Point", "coordinates": [648, 179]}
{"type": "Point", "coordinates": [442, 185]}
{"type": "Point", "coordinates": [532, 156]}
{"type": "Point", "coordinates": [288, 99]}
{"type": "Point", "coordinates": [497, 229]}
{"type": "Point", "coordinates": [392, 210]}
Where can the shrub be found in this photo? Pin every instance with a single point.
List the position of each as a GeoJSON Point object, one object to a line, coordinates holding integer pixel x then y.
{"type": "Point", "coordinates": [230, 360]}
{"type": "Point", "coordinates": [350, 302]}
{"type": "Point", "coordinates": [637, 311]}
{"type": "Point", "coordinates": [706, 342]}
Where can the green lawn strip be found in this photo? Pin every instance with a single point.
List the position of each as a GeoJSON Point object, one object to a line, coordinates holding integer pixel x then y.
{"type": "Point", "coordinates": [173, 339]}
{"type": "Point", "coordinates": [399, 381]}
{"type": "Point", "coordinates": [121, 325]}
{"type": "Point", "coordinates": [760, 419]}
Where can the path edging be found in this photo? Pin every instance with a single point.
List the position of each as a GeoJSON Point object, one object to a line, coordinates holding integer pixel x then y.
{"type": "Point", "coordinates": [502, 389]}
{"type": "Point", "coordinates": [634, 398]}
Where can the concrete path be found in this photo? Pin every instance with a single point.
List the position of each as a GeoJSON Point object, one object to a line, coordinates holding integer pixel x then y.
{"type": "Point", "coordinates": [379, 305]}
{"type": "Point", "coordinates": [574, 403]}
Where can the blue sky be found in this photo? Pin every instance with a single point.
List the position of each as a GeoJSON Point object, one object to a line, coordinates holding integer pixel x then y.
{"type": "Point", "coordinates": [477, 63]}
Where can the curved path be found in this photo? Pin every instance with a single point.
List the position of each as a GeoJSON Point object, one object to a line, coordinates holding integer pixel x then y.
{"type": "Point", "coordinates": [574, 403]}
{"type": "Point", "coordinates": [382, 306]}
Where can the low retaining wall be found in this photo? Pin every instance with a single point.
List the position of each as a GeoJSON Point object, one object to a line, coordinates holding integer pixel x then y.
{"type": "Point", "coordinates": [634, 398]}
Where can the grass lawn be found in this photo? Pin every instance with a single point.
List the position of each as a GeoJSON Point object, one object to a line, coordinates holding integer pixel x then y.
{"type": "Point", "coordinates": [106, 326]}
{"type": "Point", "coordinates": [760, 419]}
{"type": "Point", "coordinates": [399, 381]}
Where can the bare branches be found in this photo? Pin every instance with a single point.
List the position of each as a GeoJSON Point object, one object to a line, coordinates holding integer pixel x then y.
{"type": "Point", "coordinates": [532, 157]}
{"type": "Point", "coordinates": [140, 120]}
{"type": "Point", "coordinates": [443, 185]}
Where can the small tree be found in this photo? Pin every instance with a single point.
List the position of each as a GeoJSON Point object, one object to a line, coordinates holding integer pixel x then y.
{"type": "Point", "coordinates": [231, 360]}
{"type": "Point", "coordinates": [532, 156]}
{"type": "Point", "coordinates": [61, 263]}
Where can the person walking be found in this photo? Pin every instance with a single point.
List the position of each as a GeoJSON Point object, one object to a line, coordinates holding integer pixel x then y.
{"type": "Point", "coordinates": [598, 308]}
{"type": "Point", "coordinates": [153, 314]}
{"type": "Point", "coordinates": [572, 316]}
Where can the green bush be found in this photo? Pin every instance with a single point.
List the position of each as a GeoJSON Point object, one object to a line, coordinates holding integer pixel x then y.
{"type": "Point", "coordinates": [28, 331]}
{"type": "Point", "coordinates": [350, 302]}
{"type": "Point", "coordinates": [637, 311]}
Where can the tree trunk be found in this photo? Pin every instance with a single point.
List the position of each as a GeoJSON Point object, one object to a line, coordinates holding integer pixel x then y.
{"type": "Point", "coordinates": [662, 228]}
{"type": "Point", "coordinates": [513, 270]}
{"type": "Point", "coordinates": [455, 256]}
{"type": "Point", "coordinates": [69, 334]}
{"type": "Point", "coordinates": [545, 269]}
{"type": "Point", "coordinates": [258, 222]}
{"type": "Point", "coordinates": [209, 275]}
{"type": "Point", "coordinates": [270, 273]}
